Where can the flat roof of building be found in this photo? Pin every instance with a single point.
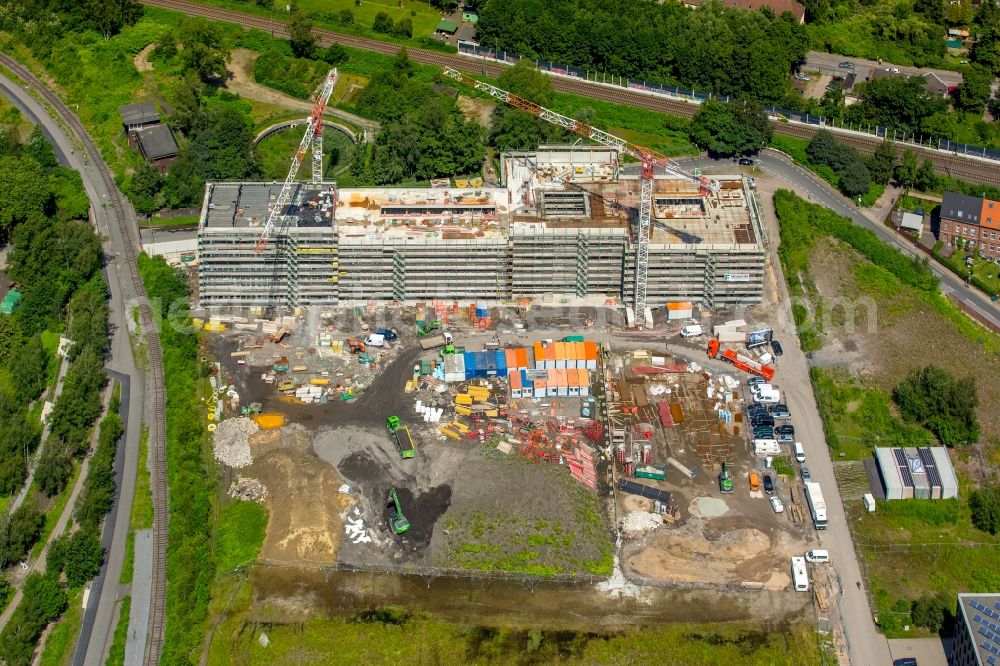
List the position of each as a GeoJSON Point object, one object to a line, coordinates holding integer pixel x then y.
{"type": "Point", "coordinates": [981, 615]}
{"type": "Point", "coordinates": [247, 205]}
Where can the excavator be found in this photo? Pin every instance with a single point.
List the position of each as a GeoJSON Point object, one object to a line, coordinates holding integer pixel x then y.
{"type": "Point", "coordinates": [447, 350]}
{"type": "Point", "coordinates": [356, 346]}
{"type": "Point", "coordinates": [397, 520]}
{"type": "Point", "coordinates": [426, 328]}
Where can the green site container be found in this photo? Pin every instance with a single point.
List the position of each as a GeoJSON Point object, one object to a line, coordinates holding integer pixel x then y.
{"type": "Point", "coordinates": [656, 472]}
{"type": "Point", "coordinates": [425, 367]}
{"type": "Point", "coordinates": [573, 338]}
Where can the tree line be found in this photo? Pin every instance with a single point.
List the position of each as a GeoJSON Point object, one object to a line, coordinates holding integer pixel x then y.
{"type": "Point", "coordinates": [714, 49]}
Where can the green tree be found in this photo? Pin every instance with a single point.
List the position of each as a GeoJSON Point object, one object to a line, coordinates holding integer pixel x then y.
{"type": "Point", "coordinates": [937, 126]}
{"type": "Point", "coordinates": [166, 47]}
{"type": "Point", "coordinates": [19, 533]}
{"type": "Point", "coordinates": [145, 188]}
{"type": "Point", "coordinates": [932, 9]}
{"type": "Point", "coordinates": [906, 172]}
{"type": "Point", "coordinates": [300, 35]}
{"type": "Point", "coordinates": [402, 64]}
{"type": "Point", "coordinates": [984, 505]}
{"type": "Point", "coordinates": [527, 81]}
{"type": "Point", "coordinates": [79, 555]}
{"type": "Point", "coordinates": [740, 128]}
{"type": "Point", "coordinates": [23, 191]}
{"type": "Point", "coordinates": [39, 149]}
{"type": "Point", "coordinates": [882, 162]}
{"type": "Point", "coordinates": [975, 91]}
{"type": "Point", "coordinates": [205, 51]}
{"type": "Point", "coordinates": [383, 23]}
{"type": "Point", "coordinates": [188, 111]}
{"type": "Point", "coordinates": [52, 469]}
{"type": "Point", "coordinates": [28, 376]}
{"type": "Point", "coordinates": [345, 17]}
{"type": "Point", "coordinates": [926, 177]}
{"type": "Point", "coordinates": [933, 611]}
{"type": "Point", "coordinates": [900, 102]}
{"type": "Point", "coordinates": [854, 179]}
{"type": "Point", "coordinates": [403, 28]}
{"type": "Point", "coordinates": [334, 54]}
{"type": "Point", "coordinates": [944, 405]}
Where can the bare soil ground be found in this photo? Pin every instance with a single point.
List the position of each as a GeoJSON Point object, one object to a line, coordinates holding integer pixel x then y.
{"type": "Point", "coordinates": [141, 59]}
{"type": "Point", "coordinates": [476, 109]}
{"type": "Point", "coordinates": [904, 334]}
{"type": "Point", "coordinates": [303, 502]}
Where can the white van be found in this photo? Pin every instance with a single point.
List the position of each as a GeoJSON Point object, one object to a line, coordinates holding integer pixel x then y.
{"type": "Point", "coordinates": [800, 579]}
{"type": "Point", "coordinates": [375, 340]}
{"type": "Point", "coordinates": [818, 556]}
{"type": "Point", "coordinates": [692, 331]}
{"type": "Point", "coordinates": [800, 453]}
{"type": "Point", "coordinates": [771, 397]}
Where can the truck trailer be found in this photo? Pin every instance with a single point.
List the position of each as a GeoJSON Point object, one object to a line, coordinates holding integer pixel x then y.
{"type": "Point", "coordinates": [435, 341]}
{"type": "Point", "coordinates": [641, 490]}
{"type": "Point", "coordinates": [817, 505]}
{"type": "Point", "coordinates": [401, 434]}
{"type": "Point", "coordinates": [747, 364]}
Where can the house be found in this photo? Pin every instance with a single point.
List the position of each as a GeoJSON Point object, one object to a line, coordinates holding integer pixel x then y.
{"type": "Point", "coordinates": [932, 82]}
{"type": "Point", "coordinates": [446, 27]}
{"type": "Point", "coordinates": [779, 7]}
{"type": "Point", "coordinates": [137, 116]}
{"type": "Point", "coordinates": [145, 132]}
{"type": "Point", "coordinates": [972, 223]}
{"type": "Point", "coordinates": [912, 222]}
{"type": "Point", "coordinates": [977, 639]}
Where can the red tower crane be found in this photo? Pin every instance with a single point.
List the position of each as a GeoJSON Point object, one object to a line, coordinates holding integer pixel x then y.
{"type": "Point", "coordinates": [650, 160]}
{"type": "Point", "coordinates": [314, 136]}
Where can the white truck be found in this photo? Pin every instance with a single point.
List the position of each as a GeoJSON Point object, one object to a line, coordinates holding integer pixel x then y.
{"type": "Point", "coordinates": [817, 505]}
{"type": "Point", "coordinates": [800, 578]}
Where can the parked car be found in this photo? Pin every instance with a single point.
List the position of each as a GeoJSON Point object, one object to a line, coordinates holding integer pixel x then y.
{"type": "Point", "coordinates": [892, 70]}
{"type": "Point", "coordinates": [780, 411]}
{"type": "Point", "coordinates": [846, 64]}
{"type": "Point", "coordinates": [768, 484]}
{"type": "Point", "coordinates": [776, 348]}
{"type": "Point", "coordinates": [806, 476]}
{"type": "Point", "coordinates": [802, 77]}
{"type": "Point", "coordinates": [756, 381]}
{"type": "Point", "coordinates": [756, 408]}
{"type": "Point", "coordinates": [763, 432]}
{"type": "Point", "coordinates": [762, 420]}
{"type": "Point", "coordinates": [786, 439]}
{"type": "Point", "coordinates": [776, 504]}
{"type": "Point", "coordinates": [746, 161]}
{"type": "Point", "coordinates": [785, 429]}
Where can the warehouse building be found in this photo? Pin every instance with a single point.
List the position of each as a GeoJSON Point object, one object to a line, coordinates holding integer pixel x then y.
{"type": "Point", "coordinates": [562, 223]}
{"type": "Point", "coordinates": [913, 473]}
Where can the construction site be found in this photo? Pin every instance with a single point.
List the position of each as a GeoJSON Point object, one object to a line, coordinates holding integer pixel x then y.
{"type": "Point", "coordinates": [378, 386]}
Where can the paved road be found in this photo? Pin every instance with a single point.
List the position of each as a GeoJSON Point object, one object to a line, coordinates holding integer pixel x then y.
{"type": "Point", "coordinates": [91, 644]}
{"type": "Point", "coordinates": [828, 63]}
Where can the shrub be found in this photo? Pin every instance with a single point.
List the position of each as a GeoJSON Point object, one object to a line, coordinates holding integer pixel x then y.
{"type": "Point", "coordinates": [944, 405]}
{"type": "Point", "coordinates": [985, 507]}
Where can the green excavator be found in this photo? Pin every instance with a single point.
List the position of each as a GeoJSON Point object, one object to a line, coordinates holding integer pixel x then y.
{"type": "Point", "coordinates": [725, 480]}
{"type": "Point", "coordinates": [425, 328]}
{"type": "Point", "coordinates": [397, 520]}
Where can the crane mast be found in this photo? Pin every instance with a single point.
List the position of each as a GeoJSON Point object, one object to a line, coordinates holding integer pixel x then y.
{"type": "Point", "coordinates": [314, 136]}
{"type": "Point", "coordinates": [649, 159]}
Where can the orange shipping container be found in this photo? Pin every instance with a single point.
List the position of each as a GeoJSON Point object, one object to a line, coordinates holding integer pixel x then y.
{"type": "Point", "coordinates": [539, 355]}
{"type": "Point", "coordinates": [550, 355]}
{"type": "Point", "coordinates": [584, 377]}
{"type": "Point", "coordinates": [573, 377]}
{"type": "Point", "coordinates": [522, 358]}
{"type": "Point", "coordinates": [590, 350]}
{"type": "Point", "coordinates": [511, 358]}
{"type": "Point", "coordinates": [560, 351]}
{"type": "Point", "coordinates": [541, 386]}
{"type": "Point", "coordinates": [577, 352]}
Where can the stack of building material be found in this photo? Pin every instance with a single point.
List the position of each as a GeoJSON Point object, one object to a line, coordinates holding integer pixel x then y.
{"type": "Point", "coordinates": [676, 368]}
{"type": "Point", "coordinates": [580, 461]}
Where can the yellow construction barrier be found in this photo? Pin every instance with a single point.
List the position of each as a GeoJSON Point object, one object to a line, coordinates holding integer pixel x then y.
{"type": "Point", "coordinates": [319, 381]}
{"type": "Point", "coordinates": [448, 432]}
{"type": "Point", "coordinates": [463, 410]}
{"type": "Point", "coordinates": [458, 425]}
{"type": "Point", "coordinates": [212, 427]}
{"type": "Point", "coordinates": [463, 399]}
{"type": "Point", "coordinates": [478, 393]}
{"type": "Point", "coordinates": [268, 421]}
{"type": "Point", "coordinates": [198, 323]}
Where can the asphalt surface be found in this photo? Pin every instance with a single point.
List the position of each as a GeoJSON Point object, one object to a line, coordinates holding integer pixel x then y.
{"type": "Point", "coordinates": [93, 641]}
{"type": "Point", "coordinates": [829, 63]}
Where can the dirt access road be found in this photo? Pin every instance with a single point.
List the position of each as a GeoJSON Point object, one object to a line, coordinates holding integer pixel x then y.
{"type": "Point", "coordinates": [241, 81]}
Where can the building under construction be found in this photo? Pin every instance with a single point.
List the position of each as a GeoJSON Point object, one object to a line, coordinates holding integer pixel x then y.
{"type": "Point", "coordinates": [563, 222]}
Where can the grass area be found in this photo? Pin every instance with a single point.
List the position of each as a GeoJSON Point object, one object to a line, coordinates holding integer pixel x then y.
{"type": "Point", "coordinates": [912, 548]}
{"type": "Point", "coordinates": [142, 504]}
{"type": "Point", "coordinates": [386, 635]}
{"type": "Point", "coordinates": [783, 467]}
{"type": "Point", "coordinates": [796, 149]}
{"type": "Point", "coordinates": [857, 418]}
{"type": "Point", "coordinates": [116, 653]}
{"type": "Point", "coordinates": [912, 203]}
{"type": "Point", "coordinates": [58, 648]}
{"type": "Point", "coordinates": [241, 528]}
{"type": "Point", "coordinates": [326, 14]}
{"type": "Point", "coordinates": [11, 116]}
{"type": "Point", "coordinates": [518, 541]}
{"type": "Point", "coordinates": [275, 153]}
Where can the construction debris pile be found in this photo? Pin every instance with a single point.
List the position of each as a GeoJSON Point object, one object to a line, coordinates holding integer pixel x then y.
{"type": "Point", "coordinates": [637, 522]}
{"type": "Point", "coordinates": [231, 442]}
{"type": "Point", "coordinates": [354, 527]}
{"type": "Point", "coordinates": [248, 490]}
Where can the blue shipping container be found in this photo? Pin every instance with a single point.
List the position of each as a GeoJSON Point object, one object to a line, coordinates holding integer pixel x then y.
{"type": "Point", "coordinates": [470, 364]}
{"type": "Point", "coordinates": [501, 361]}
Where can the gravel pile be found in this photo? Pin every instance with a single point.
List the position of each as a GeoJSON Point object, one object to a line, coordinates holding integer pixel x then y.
{"type": "Point", "coordinates": [231, 442]}
{"type": "Point", "coordinates": [641, 521]}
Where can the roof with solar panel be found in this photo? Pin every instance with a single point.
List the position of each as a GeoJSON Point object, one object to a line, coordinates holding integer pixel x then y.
{"type": "Point", "coordinates": [982, 614]}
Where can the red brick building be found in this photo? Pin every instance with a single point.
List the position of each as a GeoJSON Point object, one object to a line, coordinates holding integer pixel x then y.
{"type": "Point", "coordinates": [973, 223]}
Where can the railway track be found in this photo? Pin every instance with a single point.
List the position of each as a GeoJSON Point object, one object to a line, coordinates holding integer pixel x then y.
{"type": "Point", "coordinates": [157, 429]}
{"type": "Point", "coordinates": [964, 168]}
